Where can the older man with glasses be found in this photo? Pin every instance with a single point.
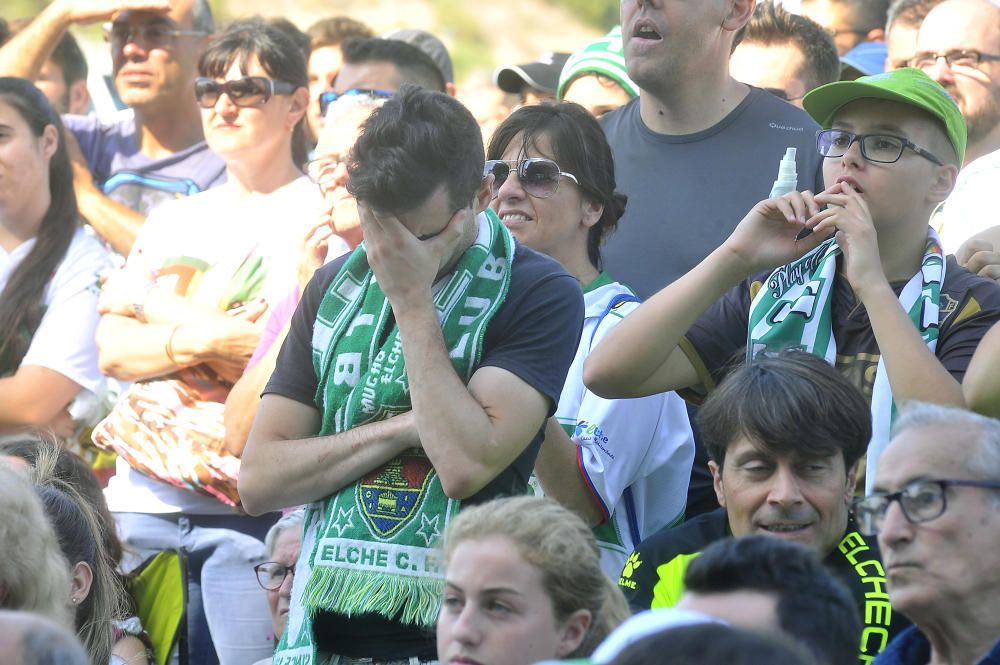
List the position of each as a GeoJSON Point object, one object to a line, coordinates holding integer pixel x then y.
{"type": "Point", "coordinates": [936, 510]}
{"type": "Point", "coordinates": [127, 164]}
{"type": "Point", "coordinates": [959, 47]}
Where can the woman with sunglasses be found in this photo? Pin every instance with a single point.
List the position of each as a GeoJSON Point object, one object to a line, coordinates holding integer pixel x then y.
{"type": "Point", "coordinates": [182, 319]}
{"type": "Point", "coordinates": [621, 464]}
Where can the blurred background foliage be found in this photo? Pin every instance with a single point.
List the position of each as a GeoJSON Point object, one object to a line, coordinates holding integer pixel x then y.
{"type": "Point", "coordinates": [480, 36]}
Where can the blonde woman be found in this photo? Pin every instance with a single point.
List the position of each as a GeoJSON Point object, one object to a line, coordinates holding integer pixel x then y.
{"type": "Point", "coordinates": [523, 583]}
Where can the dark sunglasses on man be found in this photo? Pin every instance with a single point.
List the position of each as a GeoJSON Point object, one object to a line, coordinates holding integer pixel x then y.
{"type": "Point", "coordinates": [539, 177]}
{"type": "Point", "coordinates": [246, 91]}
{"type": "Point", "coordinates": [148, 35]}
{"type": "Point", "coordinates": [330, 96]}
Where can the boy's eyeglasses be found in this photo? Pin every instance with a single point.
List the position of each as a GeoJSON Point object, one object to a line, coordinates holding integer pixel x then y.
{"type": "Point", "coordinates": [271, 574]}
{"type": "Point", "coordinates": [148, 35]}
{"type": "Point", "coordinates": [920, 501]}
{"type": "Point", "coordinates": [539, 177]}
{"type": "Point", "coordinates": [246, 91]}
{"type": "Point", "coordinates": [330, 96]}
{"type": "Point", "coordinates": [881, 148]}
{"type": "Point", "coordinates": [967, 59]}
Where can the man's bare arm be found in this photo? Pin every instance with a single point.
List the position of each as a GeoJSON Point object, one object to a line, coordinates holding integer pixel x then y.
{"type": "Point", "coordinates": [26, 53]}
{"type": "Point", "coordinates": [285, 464]}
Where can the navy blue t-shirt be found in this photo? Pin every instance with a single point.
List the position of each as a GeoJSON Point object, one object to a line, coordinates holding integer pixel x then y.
{"type": "Point", "coordinates": [534, 335]}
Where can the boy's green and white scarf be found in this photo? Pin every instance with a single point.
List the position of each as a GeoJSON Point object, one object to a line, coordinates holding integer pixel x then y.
{"type": "Point", "coordinates": [793, 309]}
{"type": "Point", "coordinates": [369, 548]}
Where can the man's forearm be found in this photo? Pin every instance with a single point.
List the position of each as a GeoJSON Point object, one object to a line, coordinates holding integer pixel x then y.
{"type": "Point", "coordinates": [116, 223]}
{"type": "Point", "coordinates": [277, 474]}
{"type": "Point", "coordinates": [914, 371]}
{"type": "Point", "coordinates": [557, 469]}
{"type": "Point", "coordinates": [27, 51]}
{"type": "Point", "coordinates": [456, 432]}
{"type": "Point", "coordinates": [641, 356]}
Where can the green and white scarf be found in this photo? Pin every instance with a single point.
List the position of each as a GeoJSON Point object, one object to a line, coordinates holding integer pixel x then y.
{"type": "Point", "coordinates": [369, 548]}
{"type": "Point", "coordinates": [793, 309]}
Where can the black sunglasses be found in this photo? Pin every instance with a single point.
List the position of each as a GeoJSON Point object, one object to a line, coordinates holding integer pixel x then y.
{"type": "Point", "coordinates": [246, 91]}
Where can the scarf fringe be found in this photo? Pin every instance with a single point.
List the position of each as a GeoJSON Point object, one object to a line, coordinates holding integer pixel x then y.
{"type": "Point", "coordinates": [413, 600]}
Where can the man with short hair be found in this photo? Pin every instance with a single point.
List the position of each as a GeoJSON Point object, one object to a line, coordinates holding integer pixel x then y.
{"type": "Point", "coordinates": [697, 147]}
{"type": "Point", "coordinates": [784, 53]}
{"type": "Point", "coordinates": [63, 77]}
{"type": "Point", "coordinates": [959, 47]}
{"type": "Point", "coordinates": [785, 435]}
{"type": "Point", "coordinates": [418, 373]}
{"type": "Point", "coordinates": [694, 150]}
{"type": "Point", "coordinates": [433, 47]}
{"type": "Point", "coordinates": [775, 586]}
{"type": "Point", "coordinates": [31, 639]}
{"type": "Point", "coordinates": [936, 510]}
{"type": "Point", "coordinates": [133, 162]}
{"type": "Point", "coordinates": [386, 64]}
{"type": "Point", "coordinates": [901, 28]}
{"type": "Point", "coordinates": [849, 22]}
{"type": "Point", "coordinates": [326, 57]}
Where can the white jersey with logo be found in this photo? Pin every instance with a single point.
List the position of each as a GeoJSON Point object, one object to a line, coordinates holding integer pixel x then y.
{"type": "Point", "coordinates": [635, 454]}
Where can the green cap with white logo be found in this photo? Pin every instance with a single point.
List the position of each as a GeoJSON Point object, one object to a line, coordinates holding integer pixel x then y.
{"type": "Point", "coordinates": [908, 86]}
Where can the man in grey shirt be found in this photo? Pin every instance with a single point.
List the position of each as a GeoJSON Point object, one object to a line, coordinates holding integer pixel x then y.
{"type": "Point", "coordinates": [696, 149]}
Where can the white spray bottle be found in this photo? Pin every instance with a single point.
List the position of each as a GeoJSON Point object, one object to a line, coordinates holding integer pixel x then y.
{"type": "Point", "coordinates": [787, 180]}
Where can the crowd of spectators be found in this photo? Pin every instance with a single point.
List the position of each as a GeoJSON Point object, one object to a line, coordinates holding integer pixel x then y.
{"type": "Point", "coordinates": [684, 351]}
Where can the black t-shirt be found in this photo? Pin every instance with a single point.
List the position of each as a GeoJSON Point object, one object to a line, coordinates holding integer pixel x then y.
{"type": "Point", "coordinates": [970, 305]}
{"type": "Point", "coordinates": [656, 574]}
{"type": "Point", "coordinates": [534, 335]}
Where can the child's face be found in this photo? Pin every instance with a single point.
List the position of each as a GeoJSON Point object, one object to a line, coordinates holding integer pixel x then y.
{"type": "Point", "coordinates": [893, 191]}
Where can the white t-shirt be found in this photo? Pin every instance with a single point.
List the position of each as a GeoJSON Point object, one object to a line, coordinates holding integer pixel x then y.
{"type": "Point", "coordinates": [197, 244]}
{"type": "Point", "coordinates": [969, 209]}
{"type": "Point", "coordinates": [64, 341]}
{"type": "Point", "coordinates": [635, 454]}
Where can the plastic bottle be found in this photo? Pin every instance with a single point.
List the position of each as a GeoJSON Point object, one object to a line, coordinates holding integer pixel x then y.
{"type": "Point", "coordinates": [787, 180]}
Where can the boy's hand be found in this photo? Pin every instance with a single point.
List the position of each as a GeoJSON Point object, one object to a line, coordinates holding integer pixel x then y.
{"type": "Point", "coordinates": [848, 215]}
{"type": "Point", "coordinates": [766, 237]}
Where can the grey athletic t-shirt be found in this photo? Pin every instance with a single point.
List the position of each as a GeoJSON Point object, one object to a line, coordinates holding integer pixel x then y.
{"type": "Point", "coordinates": [687, 193]}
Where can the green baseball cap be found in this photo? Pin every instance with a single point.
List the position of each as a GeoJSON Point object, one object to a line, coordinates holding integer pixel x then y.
{"type": "Point", "coordinates": [907, 86]}
{"type": "Point", "coordinates": [602, 56]}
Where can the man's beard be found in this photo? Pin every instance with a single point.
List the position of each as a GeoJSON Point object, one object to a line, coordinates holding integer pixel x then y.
{"type": "Point", "coordinates": [982, 120]}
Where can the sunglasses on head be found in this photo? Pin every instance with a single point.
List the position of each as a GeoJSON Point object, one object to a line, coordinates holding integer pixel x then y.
{"type": "Point", "coordinates": [246, 91]}
{"type": "Point", "coordinates": [539, 177]}
{"type": "Point", "coordinates": [330, 96]}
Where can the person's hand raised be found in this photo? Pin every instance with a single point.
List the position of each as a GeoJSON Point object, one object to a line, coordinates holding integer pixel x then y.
{"type": "Point", "coordinates": [92, 11]}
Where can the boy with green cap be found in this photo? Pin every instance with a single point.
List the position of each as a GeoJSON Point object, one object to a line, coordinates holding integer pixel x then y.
{"type": "Point", "coordinates": [861, 278]}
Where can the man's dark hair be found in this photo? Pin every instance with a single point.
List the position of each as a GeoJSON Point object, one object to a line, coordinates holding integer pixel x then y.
{"type": "Point", "coordinates": [813, 607]}
{"type": "Point", "coordinates": [790, 403]}
{"type": "Point", "coordinates": [418, 141]}
{"type": "Point", "coordinates": [4, 31]}
{"type": "Point", "coordinates": [713, 644]}
{"type": "Point", "coordinates": [910, 13]}
{"type": "Point", "coordinates": [579, 146]}
{"type": "Point", "coordinates": [335, 31]}
{"type": "Point", "coordinates": [413, 65]}
{"type": "Point", "coordinates": [864, 15]}
{"type": "Point", "coordinates": [773, 25]}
